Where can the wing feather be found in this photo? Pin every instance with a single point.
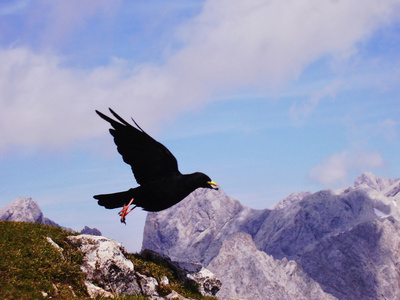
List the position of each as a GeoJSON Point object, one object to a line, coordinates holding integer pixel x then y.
{"type": "Point", "coordinates": [149, 159]}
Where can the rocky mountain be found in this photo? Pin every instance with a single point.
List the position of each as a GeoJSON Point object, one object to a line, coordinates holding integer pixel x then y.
{"type": "Point", "coordinates": [28, 210]}
{"type": "Point", "coordinates": [341, 244]}
{"type": "Point", "coordinates": [24, 209]}
{"type": "Point", "coordinates": [91, 231]}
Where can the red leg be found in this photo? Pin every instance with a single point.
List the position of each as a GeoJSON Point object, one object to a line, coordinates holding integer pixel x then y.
{"type": "Point", "coordinates": [125, 211]}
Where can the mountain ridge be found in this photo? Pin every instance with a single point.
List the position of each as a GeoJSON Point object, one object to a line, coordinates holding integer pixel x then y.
{"type": "Point", "coordinates": [300, 226]}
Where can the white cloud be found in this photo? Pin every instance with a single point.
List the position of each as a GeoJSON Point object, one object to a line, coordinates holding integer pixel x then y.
{"type": "Point", "coordinates": [269, 42]}
{"type": "Point", "coordinates": [335, 169]}
{"type": "Point", "coordinates": [44, 104]}
{"type": "Point", "coordinates": [228, 46]}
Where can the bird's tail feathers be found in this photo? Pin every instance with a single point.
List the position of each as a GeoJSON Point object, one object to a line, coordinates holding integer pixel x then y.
{"type": "Point", "coordinates": [115, 200]}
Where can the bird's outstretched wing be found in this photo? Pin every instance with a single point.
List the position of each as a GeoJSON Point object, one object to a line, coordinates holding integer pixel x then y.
{"type": "Point", "coordinates": [149, 159]}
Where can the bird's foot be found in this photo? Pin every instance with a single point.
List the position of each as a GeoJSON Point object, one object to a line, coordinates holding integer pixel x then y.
{"type": "Point", "coordinates": [125, 211]}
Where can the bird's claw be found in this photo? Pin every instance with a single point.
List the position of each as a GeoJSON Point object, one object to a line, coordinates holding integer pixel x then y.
{"type": "Point", "coordinates": [125, 211]}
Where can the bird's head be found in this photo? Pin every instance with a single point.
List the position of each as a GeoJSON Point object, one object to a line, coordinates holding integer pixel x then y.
{"type": "Point", "coordinates": [204, 181]}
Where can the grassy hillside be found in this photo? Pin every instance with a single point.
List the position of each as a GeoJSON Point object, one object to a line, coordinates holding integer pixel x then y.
{"type": "Point", "coordinates": [31, 268]}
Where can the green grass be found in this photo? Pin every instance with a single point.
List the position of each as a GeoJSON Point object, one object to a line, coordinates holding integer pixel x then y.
{"type": "Point", "coordinates": [31, 267]}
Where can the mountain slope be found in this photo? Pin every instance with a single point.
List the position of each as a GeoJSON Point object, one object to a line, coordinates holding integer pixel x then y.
{"type": "Point", "coordinates": [258, 271]}
{"type": "Point", "coordinates": [313, 230]}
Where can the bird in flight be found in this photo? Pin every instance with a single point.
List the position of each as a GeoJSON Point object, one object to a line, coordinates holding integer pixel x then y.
{"type": "Point", "coordinates": [161, 185]}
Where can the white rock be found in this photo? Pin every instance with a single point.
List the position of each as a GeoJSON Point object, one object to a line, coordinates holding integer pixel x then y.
{"type": "Point", "coordinates": [148, 284]}
{"type": "Point", "coordinates": [54, 244]}
{"type": "Point", "coordinates": [95, 291]}
{"type": "Point", "coordinates": [106, 265]}
{"type": "Point", "coordinates": [174, 295]}
{"type": "Point", "coordinates": [164, 280]}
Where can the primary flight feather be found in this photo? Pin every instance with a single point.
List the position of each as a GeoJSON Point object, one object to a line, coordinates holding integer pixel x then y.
{"type": "Point", "coordinates": [155, 170]}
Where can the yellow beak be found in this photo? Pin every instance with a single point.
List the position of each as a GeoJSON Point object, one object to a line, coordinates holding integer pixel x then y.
{"type": "Point", "coordinates": [212, 183]}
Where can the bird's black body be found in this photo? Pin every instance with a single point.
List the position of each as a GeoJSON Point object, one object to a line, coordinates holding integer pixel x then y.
{"type": "Point", "coordinates": [154, 167]}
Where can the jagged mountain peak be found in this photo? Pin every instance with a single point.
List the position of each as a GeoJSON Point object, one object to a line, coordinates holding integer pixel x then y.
{"type": "Point", "coordinates": [376, 183]}
{"type": "Point", "coordinates": [22, 209]}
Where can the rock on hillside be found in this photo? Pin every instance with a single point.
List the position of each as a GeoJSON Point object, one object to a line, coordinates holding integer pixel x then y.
{"type": "Point", "coordinates": [346, 242]}
{"type": "Point", "coordinates": [109, 272]}
{"type": "Point", "coordinates": [106, 265]}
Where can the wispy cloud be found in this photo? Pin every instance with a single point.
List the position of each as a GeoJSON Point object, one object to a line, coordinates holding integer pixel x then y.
{"type": "Point", "coordinates": [335, 170]}
{"type": "Point", "coordinates": [299, 112]}
{"type": "Point", "coordinates": [230, 45]}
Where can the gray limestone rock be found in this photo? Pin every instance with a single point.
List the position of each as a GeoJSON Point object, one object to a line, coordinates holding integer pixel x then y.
{"type": "Point", "coordinates": [23, 209]}
{"type": "Point", "coordinates": [290, 200]}
{"type": "Point", "coordinates": [394, 191]}
{"type": "Point", "coordinates": [360, 263]}
{"type": "Point", "coordinates": [189, 273]}
{"type": "Point", "coordinates": [252, 274]}
{"type": "Point", "coordinates": [106, 265]}
{"type": "Point", "coordinates": [376, 183]}
{"type": "Point", "coordinates": [287, 233]}
{"type": "Point", "coordinates": [148, 285]}
{"type": "Point", "coordinates": [200, 223]}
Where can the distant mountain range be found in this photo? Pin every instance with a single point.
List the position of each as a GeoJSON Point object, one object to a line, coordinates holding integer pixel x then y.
{"type": "Point", "coordinates": [27, 210]}
{"type": "Point", "coordinates": [341, 244]}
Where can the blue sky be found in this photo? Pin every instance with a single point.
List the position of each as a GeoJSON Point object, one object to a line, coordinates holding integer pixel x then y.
{"type": "Point", "coordinates": [267, 97]}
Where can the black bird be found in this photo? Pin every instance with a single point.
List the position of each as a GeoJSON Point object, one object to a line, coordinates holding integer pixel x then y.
{"type": "Point", "coordinates": [155, 170]}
